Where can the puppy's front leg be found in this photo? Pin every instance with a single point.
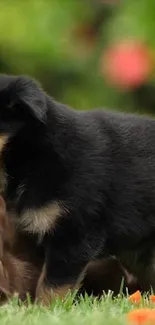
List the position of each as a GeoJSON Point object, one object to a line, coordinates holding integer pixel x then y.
{"type": "Point", "coordinates": [65, 262]}
{"type": "Point", "coordinates": [46, 291]}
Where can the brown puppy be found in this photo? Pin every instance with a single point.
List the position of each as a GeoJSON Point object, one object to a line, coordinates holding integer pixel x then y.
{"type": "Point", "coordinates": [17, 274]}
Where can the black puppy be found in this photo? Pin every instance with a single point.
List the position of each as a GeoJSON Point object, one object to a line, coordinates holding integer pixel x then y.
{"type": "Point", "coordinates": [83, 182]}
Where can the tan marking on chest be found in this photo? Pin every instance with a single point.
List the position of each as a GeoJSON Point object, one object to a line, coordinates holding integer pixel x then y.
{"type": "Point", "coordinates": [3, 141]}
{"type": "Point", "coordinates": [41, 221]}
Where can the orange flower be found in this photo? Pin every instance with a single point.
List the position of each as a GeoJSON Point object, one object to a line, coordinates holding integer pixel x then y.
{"type": "Point", "coordinates": [141, 316]}
{"type": "Point", "coordinates": [136, 297]}
{"type": "Point", "coordinates": [152, 298]}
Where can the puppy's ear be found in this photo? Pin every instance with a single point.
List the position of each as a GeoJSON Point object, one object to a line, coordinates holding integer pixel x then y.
{"type": "Point", "coordinates": [23, 98]}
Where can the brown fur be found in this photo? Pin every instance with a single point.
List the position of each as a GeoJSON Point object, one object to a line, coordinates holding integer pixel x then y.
{"type": "Point", "coordinates": [21, 277]}
{"type": "Point", "coordinates": [107, 274]}
{"type": "Point", "coordinates": [17, 275]}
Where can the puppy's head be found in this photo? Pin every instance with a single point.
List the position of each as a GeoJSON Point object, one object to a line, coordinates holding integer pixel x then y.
{"type": "Point", "coordinates": [21, 102]}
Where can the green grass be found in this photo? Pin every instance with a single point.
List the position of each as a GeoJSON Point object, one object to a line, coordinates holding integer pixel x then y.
{"type": "Point", "coordinates": [87, 311]}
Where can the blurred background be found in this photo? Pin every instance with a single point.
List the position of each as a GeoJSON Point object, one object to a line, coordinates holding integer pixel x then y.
{"type": "Point", "coordinates": [85, 53]}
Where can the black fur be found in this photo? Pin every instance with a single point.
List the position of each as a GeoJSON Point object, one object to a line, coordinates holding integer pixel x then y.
{"type": "Point", "coordinates": [101, 165]}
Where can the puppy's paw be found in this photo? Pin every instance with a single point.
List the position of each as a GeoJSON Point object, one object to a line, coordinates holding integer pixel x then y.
{"type": "Point", "coordinates": [44, 297]}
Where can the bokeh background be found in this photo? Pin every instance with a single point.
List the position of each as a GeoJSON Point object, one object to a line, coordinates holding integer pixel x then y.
{"type": "Point", "coordinates": [85, 53]}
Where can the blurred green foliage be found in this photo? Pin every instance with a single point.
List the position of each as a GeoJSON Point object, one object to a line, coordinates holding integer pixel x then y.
{"type": "Point", "coordinates": [60, 43]}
